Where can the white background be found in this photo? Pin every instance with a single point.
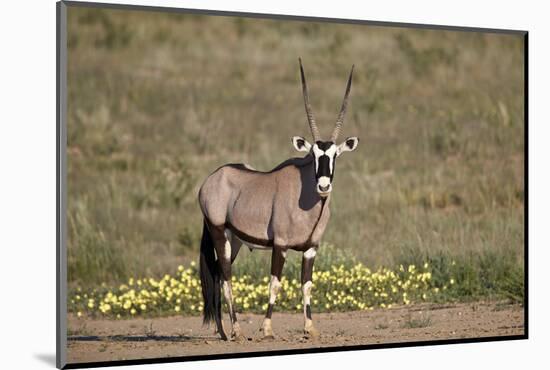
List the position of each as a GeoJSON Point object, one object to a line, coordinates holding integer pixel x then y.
{"type": "Point", "coordinates": [27, 184]}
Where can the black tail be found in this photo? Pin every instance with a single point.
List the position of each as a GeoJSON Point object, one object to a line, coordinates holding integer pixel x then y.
{"type": "Point", "coordinates": [210, 282]}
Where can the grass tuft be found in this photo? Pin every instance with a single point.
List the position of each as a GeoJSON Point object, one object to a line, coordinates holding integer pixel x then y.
{"type": "Point", "coordinates": [422, 321]}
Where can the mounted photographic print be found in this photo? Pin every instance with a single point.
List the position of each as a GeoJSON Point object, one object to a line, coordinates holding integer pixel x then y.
{"type": "Point", "coordinates": [234, 184]}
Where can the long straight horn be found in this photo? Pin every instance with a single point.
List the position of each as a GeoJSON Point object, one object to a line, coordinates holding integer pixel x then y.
{"type": "Point", "coordinates": [309, 112]}
{"type": "Point", "coordinates": [340, 119]}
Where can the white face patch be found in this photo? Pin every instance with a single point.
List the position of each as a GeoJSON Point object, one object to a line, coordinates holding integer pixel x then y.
{"type": "Point", "coordinates": [331, 153]}
{"type": "Point", "coordinates": [324, 181]}
{"type": "Point", "coordinates": [317, 153]}
{"type": "Point", "coordinates": [310, 253]}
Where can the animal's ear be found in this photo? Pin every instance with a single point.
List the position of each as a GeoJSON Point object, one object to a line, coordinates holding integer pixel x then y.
{"type": "Point", "coordinates": [301, 144]}
{"type": "Point", "coordinates": [347, 146]}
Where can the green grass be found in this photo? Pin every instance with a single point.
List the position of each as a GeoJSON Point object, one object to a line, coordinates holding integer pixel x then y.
{"type": "Point", "coordinates": [490, 275]}
{"type": "Point", "coordinates": [414, 323]}
{"type": "Point", "coordinates": [157, 101]}
{"type": "Point", "coordinates": [474, 276]}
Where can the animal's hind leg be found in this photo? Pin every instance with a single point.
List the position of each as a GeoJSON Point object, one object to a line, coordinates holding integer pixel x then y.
{"type": "Point", "coordinates": [226, 255]}
{"type": "Point", "coordinates": [218, 239]}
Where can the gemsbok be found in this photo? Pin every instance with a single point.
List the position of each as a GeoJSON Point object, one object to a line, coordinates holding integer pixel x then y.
{"type": "Point", "coordinates": [285, 208]}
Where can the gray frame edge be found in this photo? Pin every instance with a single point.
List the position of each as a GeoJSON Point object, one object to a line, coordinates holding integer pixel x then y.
{"type": "Point", "coordinates": [288, 17]}
{"type": "Point", "coordinates": [61, 184]}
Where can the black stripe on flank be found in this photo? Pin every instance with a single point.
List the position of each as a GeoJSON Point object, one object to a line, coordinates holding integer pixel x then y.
{"type": "Point", "coordinates": [247, 238]}
{"type": "Point", "coordinates": [270, 243]}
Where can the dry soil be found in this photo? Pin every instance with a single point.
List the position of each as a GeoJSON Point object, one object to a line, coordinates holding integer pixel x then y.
{"type": "Point", "coordinates": [92, 340]}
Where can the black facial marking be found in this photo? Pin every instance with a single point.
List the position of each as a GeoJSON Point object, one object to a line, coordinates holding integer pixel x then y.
{"type": "Point", "coordinates": [324, 169]}
{"type": "Point", "coordinates": [333, 168]}
{"type": "Point", "coordinates": [324, 160]}
{"type": "Point", "coordinates": [350, 143]}
{"type": "Point", "coordinates": [324, 145]}
{"type": "Point", "coordinates": [308, 311]}
{"type": "Point", "coordinates": [301, 143]}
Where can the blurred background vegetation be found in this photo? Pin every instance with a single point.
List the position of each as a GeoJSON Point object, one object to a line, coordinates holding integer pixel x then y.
{"type": "Point", "coordinates": [157, 101]}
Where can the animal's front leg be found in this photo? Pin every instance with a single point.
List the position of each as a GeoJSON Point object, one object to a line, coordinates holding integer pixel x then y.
{"type": "Point", "coordinates": [278, 257]}
{"type": "Point", "coordinates": [307, 272]}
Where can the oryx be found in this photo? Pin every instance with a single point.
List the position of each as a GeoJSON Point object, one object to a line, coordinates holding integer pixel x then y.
{"type": "Point", "coordinates": [285, 208]}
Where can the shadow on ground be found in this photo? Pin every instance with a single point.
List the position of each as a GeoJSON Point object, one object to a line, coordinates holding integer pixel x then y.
{"type": "Point", "coordinates": [140, 338]}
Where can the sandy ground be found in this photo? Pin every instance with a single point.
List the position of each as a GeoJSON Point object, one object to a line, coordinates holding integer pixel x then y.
{"type": "Point", "coordinates": [105, 340]}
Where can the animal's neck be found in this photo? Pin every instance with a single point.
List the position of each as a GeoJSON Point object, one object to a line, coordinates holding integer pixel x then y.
{"type": "Point", "coordinates": [321, 212]}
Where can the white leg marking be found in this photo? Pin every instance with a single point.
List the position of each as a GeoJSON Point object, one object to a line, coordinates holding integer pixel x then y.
{"type": "Point", "coordinates": [284, 254]}
{"type": "Point", "coordinates": [274, 286]}
{"type": "Point", "coordinates": [310, 253]}
{"type": "Point", "coordinates": [308, 323]}
{"type": "Point", "coordinates": [306, 290]}
{"type": "Point", "coordinates": [227, 250]}
{"type": "Point", "coordinates": [228, 234]}
{"type": "Point", "coordinates": [267, 328]}
{"type": "Point", "coordinates": [227, 293]}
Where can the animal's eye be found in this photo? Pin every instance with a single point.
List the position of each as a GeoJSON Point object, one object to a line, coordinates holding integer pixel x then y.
{"type": "Point", "coordinates": [301, 143]}
{"type": "Point", "coordinates": [349, 143]}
